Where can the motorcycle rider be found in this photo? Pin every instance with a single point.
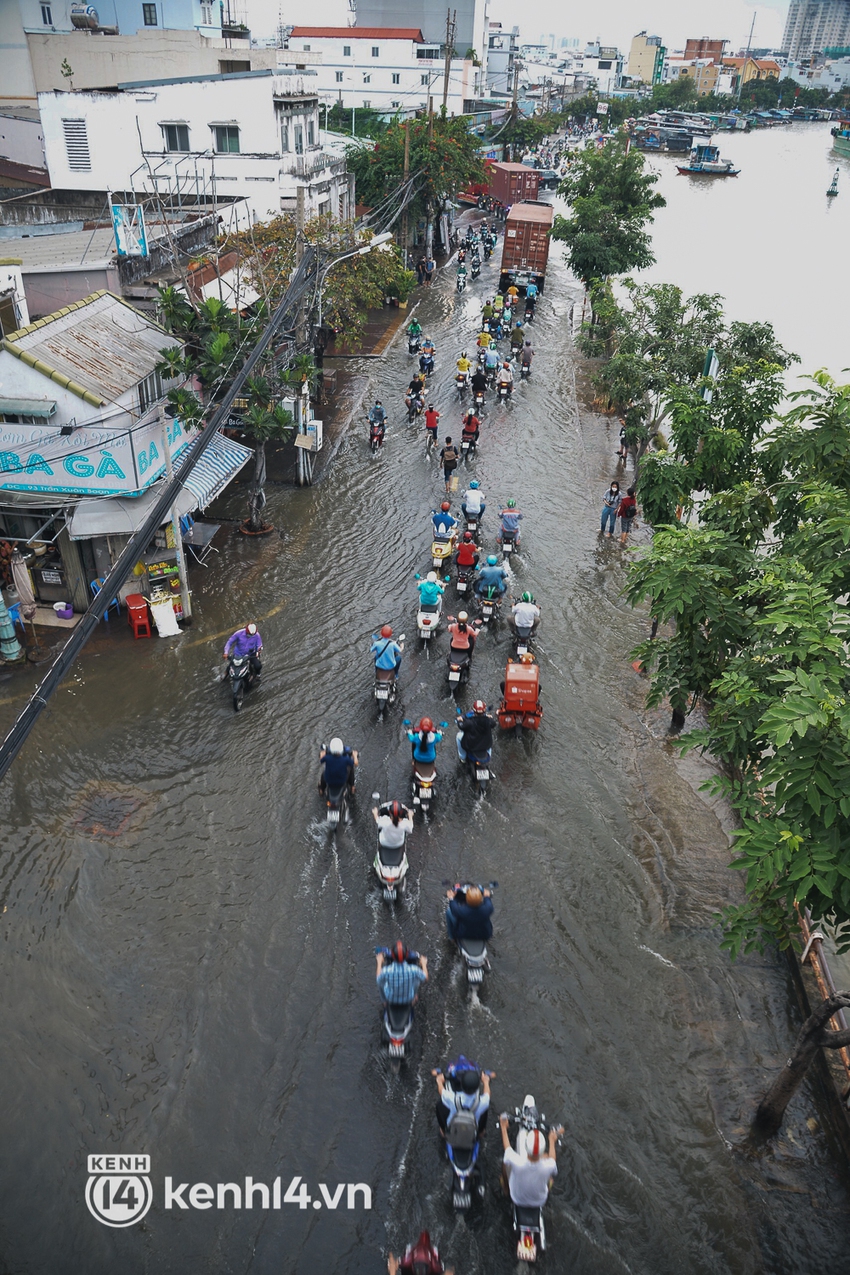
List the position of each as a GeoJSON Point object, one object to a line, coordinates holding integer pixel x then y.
{"type": "Point", "coordinates": [425, 740]}
{"type": "Point", "coordinates": [468, 552]}
{"type": "Point", "coordinates": [338, 764]}
{"type": "Point", "coordinates": [484, 339]}
{"type": "Point", "coordinates": [471, 427]}
{"type": "Point", "coordinates": [464, 365]}
{"type": "Point", "coordinates": [462, 634]}
{"type": "Point", "coordinates": [491, 577]}
{"type": "Point", "coordinates": [443, 521]}
{"type": "Point", "coordinates": [479, 380]}
{"type": "Point", "coordinates": [432, 419]}
{"type": "Point", "coordinates": [464, 1087]}
{"type": "Point", "coordinates": [378, 419]}
{"type": "Point", "coordinates": [244, 642]}
{"type": "Point", "coordinates": [430, 590]}
{"type": "Point", "coordinates": [426, 358]}
{"type": "Point", "coordinates": [517, 338]}
{"type": "Point", "coordinates": [399, 976]}
{"type": "Point", "coordinates": [527, 355]}
{"type": "Point", "coordinates": [528, 1178]}
{"type": "Point", "coordinates": [415, 396]}
{"type": "Point", "coordinates": [468, 914]}
{"type": "Point", "coordinates": [421, 1258]}
{"type": "Point", "coordinates": [461, 275]}
{"type": "Point", "coordinates": [532, 291]}
{"type": "Point", "coordinates": [512, 295]}
{"type": "Point", "coordinates": [525, 614]}
{"type": "Point", "coordinates": [387, 653]}
{"type": "Point", "coordinates": [473, 503]}
{"type": "Point", "coordinates": [414, 331]}
{"type": "Point", "coordinates": [505, 376]}
{"type": "Point", "coordinates": [486, 313]}
{"type": "Point", "coordinates": [491, 361]}
{"type": "Point", "coordinates": [395, 822]}
{"type": "Point", "coordinates": [510, 520]}
{"type": "Point", "coordinates": [475, 731]}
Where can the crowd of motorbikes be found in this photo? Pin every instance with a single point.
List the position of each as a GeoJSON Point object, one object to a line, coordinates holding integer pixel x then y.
{"type": "Point", "coordinates": [481, 583]}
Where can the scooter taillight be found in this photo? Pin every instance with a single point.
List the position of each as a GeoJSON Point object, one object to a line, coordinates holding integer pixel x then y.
{"type": "Point", "coordinates": [425, 621]}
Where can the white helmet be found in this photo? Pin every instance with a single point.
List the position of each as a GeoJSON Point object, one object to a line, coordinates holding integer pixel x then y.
{"type": "Point", "coordinates": [534, 1144]}
{"type": "Point", "coordinates": [462, 617]}
{"type": "Point", "coordinates": [431, 577]}
{"type": "Point", "coordinates": [336, 746]}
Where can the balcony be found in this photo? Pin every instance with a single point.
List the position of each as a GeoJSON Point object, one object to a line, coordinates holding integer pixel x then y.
{"type": "Point", "coordinates": [310, 163]}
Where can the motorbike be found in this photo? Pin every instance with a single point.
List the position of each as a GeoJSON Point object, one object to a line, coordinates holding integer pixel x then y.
{"type": "Point", "coordinates": [337, 801]}
{"type": "Point", "coordinates": [241, 677]}
{"type": "Point", "coordinates": [468, 444]}
{"type": "Point", "coordinates": [464, 578]}
{"type": "Point", "coordinates": [376, 436]}
{"type": "Point", "coordinates": [391, 865]}
{"type": "Point", "coordinates": [509, 542]}
{"type": "Point", "coordinates": [503, 391]}
{"type": "Point", "coordinates": [463, 1146]}
{"type": "Point", "coordinates": [524, 371]}
{"type": "Point", "coordinates": [528, 1222]}
{"type": "Point", "coordinates": [423, 781]}
{"type": "Point", "coordinates": [414, 344]}
{"type": "Point", "coordinates": [461, 381]}
{"type": "Point", "coordinates": [442, 549]}
{"type": "Point", "coordinates": [476, 267]}
{"type": "Point", "coordinates": [488, 251]}
{"type": "Point", "coordinates": [426, 363]}
{"type": "Point", "coordinates": [428, 617]}
{"type": "Point", "coordinates": [457, 663]}
{"type": "Point", "coordinates": [478, 399]}
{"type": "Point", "coordinates": [473, 522]}
{"type": "Point", "coordinates": [415, 407]}
{"type": "Point", "coordinates": [524, 634]}
{"type": "Point", "coordinates": [460, 282]}
{"type": "Point", "coordinates": [530, 305]}
{"type": "Point", "coordinates": [478, 767]}
{"type": "Point", "coordinates": [490, 603]}
{"type": "Point", "coordinates": [396, 1026]}
{"type": "Point", "coordinates": [385, 685]}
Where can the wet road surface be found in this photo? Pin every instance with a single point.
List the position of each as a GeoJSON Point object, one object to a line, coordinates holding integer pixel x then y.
{"type": "Point", "coordinates": [200, 986]}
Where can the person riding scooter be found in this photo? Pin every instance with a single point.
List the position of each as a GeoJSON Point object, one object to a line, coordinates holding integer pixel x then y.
{"type": "Point", "coordinates": [468, 552]}
{"type": "Point", "coordinates": [479, 381]}
{"type": "Point", "coordinates": [473, 504]}
{"type": "Point", "coordinates": [414, 331]}
{"type": "Point", "coordinates": [421, 1258]}
{"type": "Point", "coordinates": [510, 518]}
{"type": "Point", "coordinates": [468, 914]}
{"type": "Point", "coordinates": [492, 577]}
{"type": "Point", "coordinates": [425, 741]}
{"type": "Point", "coordinates": [338, 763]}
{"type": "Point", "coordinates": [378, 420]}
{"type": "Point", "coordinates": [471, 428]}
{"type": "Point", "coordinates": [505, 377]}
{"type": "Point", "coordinates": [244, 642]}
{"type": "Point", "coordinates": [395, 822]}
{"type": "Point", "coordinates": [400, 975]}
{"type": "Point", "coordinates": [526, 356]}
{"type": "Point", "coordinates": [475, 731]}
{"type": "Point", "coordinates": [517, 338]}
{"type": "Point", "coordinates": [387, 653]}
{"type": "Point", "coordinates": [525, 614]}
{"type": "Point", "coordinates": [443, 521]}
{"type": "Point", "coordinates": [462, 634]}
{"type": "Point", "coordinates": [430, 590]}
{"type": "Point", "coordinates": [464, 1087]}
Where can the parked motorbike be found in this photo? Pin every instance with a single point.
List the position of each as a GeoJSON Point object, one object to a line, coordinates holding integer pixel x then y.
{"type": "Point", "coordinates": [527, 1223]}
{"type": "Point", "coordinates": [376, 436]}
{"type": "Point", "coordinates": [391, 865]}
{"type": "Point", "coordinates": [241, 678]}
{"type": "Point", "coordinates": [385, 685]}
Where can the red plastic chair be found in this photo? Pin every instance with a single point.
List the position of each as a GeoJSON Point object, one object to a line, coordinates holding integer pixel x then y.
{"type": "Point", "coordinates": [137, 615]}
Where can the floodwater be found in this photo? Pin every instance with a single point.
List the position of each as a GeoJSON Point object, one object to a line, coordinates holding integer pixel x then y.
{"type": "Point", "coordinates": [188, 965]}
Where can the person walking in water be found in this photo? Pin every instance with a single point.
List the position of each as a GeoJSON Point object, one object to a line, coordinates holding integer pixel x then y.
{"type": "Point", "coordinates": [610, 502]}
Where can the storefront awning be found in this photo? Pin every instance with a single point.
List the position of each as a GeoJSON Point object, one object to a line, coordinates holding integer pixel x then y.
{"type": "Point", "coordinates": [27, 406]}
{"type": "Point", "coordinates": [122, 515]}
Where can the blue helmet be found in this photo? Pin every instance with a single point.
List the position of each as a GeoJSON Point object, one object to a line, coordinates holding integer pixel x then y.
{"type": "Point", "coordinates": [519, 324]}
{"type": "Point", "coordinates": [473, 486]}
{"type": "Point", "coordinates": [492, 561]}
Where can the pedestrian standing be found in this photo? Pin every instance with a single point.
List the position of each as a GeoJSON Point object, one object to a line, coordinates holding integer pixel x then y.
{"type": "Point", "coordinates": [610, 502]}
{"type": "Point", "coordinates": [420, 271]}
{"type": "Point", "coordinates": [448, 459]}
{"type": "Point", "coordinates": [626, 512]}
{"type": "Point", "coordinates": [622, 450]}
{"type": "Point", "coordinates": [430, 267]}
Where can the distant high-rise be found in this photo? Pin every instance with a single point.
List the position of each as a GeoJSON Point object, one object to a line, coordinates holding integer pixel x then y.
{"type": "Point", "coordinates": [813, 26]}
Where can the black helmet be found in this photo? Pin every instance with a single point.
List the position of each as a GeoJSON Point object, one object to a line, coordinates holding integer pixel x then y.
{"type": "Point", "coordinates": [469, 1081]}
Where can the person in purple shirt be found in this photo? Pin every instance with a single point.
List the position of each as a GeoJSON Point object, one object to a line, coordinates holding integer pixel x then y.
{"type": "Point", "coordinates": [248, 642]}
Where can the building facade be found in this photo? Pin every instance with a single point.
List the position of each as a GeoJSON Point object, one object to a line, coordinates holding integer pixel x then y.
{"type": "Point", "coordinates": [603, 64]}
{"type": "Point", "coordinates": [252, 136]}
{"type": "Point", "coordinates": [472, 21]}
{"type": "Point", "coordinates": [814, 26]}
{"type": "Point", "coordinates": [646, 59]}
{"type": "Point", "coordinates": [705, 48]}
{"type": "Point", "coordinates": [502, 55]}
{"type": "Point", "coordinates": [394, 70]}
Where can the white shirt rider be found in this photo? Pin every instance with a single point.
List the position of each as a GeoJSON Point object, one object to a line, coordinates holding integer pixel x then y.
{"type": "Point", "coordinates": [391, 835]}
{"type": "Point", "coordinates": [506, 376]}
{"type": "Point", "coordinates": [473, 499]}
{"type": "Point", "coordinates": [529, 1179]}
{"type": "Point", "coordinates": [526, 614]}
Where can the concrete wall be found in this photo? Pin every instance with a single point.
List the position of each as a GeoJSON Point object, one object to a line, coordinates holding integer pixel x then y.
{"type": "Point", "coordinates": [21, 140]}
{"type": "Point", "coordinates": [50, 290]}
{"type": "Point", "coordinates": [397, 57]}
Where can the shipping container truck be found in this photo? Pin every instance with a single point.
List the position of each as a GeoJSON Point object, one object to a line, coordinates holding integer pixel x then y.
{"type": "Point", "coordinates": [511, 183]}
{"type": "Point", "coordinates": [526, 249]}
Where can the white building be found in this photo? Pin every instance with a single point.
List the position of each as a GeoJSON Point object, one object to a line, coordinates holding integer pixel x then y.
{"type": "Point", "coordinates": [603, 64]}
{"type": "Point", "coordinates": [391, 69]}
{"type": "Point", "coordinates": [430, 19]}
{"type": "Point", "coordinates": [502, 54]}
{"type": "Point", "coordinates": [14, 312]}
{"type": "Point", "coordinates": [816, 26]}
{"type": "Point", "coordinates": [253, 136]}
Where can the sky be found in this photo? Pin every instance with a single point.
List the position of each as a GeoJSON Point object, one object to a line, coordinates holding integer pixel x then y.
{"type": "Point", "coordinates": [612, 21]}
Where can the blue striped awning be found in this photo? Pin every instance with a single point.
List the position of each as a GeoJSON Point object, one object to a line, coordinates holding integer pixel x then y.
{"type": "Point", "coordinates": [220, 463]}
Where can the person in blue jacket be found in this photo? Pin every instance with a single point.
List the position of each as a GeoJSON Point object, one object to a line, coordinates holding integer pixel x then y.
{"type": "Point", "coordinates": [425, 740]}
{"type": "Point", "coordinates": [387, 653]}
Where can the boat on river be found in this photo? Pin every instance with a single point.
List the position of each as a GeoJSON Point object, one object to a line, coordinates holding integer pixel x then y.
{"type": "Point", "coordinates": [841, 139]}
{"type": "Point", "coordinates": [705, 161]}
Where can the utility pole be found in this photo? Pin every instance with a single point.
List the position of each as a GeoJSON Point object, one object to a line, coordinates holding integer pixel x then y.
{"type": "Point", "coordinates": [175, 519]}
{"type": "Point", "coordinates": [451, 27]}
{"type": "Point", "coordinates": [404, 228]}
{"type": "Point", "coordinates": [746, 57]}
{"type": "Point", "coordinates": [514, 105]}
{"type": "Point", "coordinates": [429, 209]}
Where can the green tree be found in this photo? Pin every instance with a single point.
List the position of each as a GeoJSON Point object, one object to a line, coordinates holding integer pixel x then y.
{"type": "Point", "coordinates": [444, 158]}
{"type": "Point", "coordinates": [612, 201]}
{"type": "Point", "coordinates": [264, 420]}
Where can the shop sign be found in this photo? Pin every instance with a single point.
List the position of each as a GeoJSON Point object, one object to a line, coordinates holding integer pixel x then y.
{"type": "Point", "coordinates": [88, 462]}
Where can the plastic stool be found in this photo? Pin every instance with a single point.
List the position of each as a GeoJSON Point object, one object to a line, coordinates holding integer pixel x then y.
{"type": "Point", "coordinates": [137, 615]}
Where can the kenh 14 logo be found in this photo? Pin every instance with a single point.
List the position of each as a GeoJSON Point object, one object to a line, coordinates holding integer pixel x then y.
{"type": "Point", "coordinates": [118, 1191]}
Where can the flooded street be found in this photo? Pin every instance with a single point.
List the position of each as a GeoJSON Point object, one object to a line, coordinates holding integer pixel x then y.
{"type": "Point", "coordinates": [188, 964]}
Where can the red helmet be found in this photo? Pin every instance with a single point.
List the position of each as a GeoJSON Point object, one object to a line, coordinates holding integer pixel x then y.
{"type": "Point", "coordinates": [424, 1253]}
{"type": "Point", "coordinates": [395, 811]}
{"type": "Point", "coordinates": [398, 952]}
{"type": "Point", "coordinates": [480, 706]}
{"type": "Point", "coordinates": [386, 631]}
{"type": "Point", "coordinates": [445, 506]}
{"type": "Point", "coordinates": [467, 535]}
{"type": "Point", "coordinates": [426, 724]}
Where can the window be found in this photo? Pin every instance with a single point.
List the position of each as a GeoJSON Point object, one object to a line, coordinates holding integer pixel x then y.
{"type": "Point", "coordinates": [339, 77]}
{"type": "Point", "coordinates": [230, 67]}
{"type": "Point", "coordinates": [376, 52]}
{"type": "Point", "coordinates": [395, 104]}
{"type": "Point", "coordinates": [226, 139]}
{"type": "Point", "coordinates": [284, 139]}
{"type": "Point", "coordinates": [77, 145]}
{"type": "Point", "coordinates": [396, 78]}
{"type": "Point", "coordinates": [311, 133]}
{"type": "Point", "coordinates": [423, 79]}
{"type": "Point", "coordinates": [305, 48]}
{"type": "Point", "coordinates": [46, 15]}
{"type": "Point", "coordinates": [175, 136]}
{"type": "Point", "coordinates": [346, 50]}
{"type": "Point", "coordinates": [149, 13]}
{"type": "Point", "coordinates": [150, 389]}
{"type": "Point", "coordinates": [206, 15]}
{"type": "Point", "coordinates": [430, 54]}
{"type": "Point", "coordinates": [366, 103]}
{"type": "Point", "coordinates": [299, 140]}
{"type": "Point", "coordinates": [367, 79]}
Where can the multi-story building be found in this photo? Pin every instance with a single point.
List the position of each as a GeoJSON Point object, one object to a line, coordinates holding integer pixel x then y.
{"type": "Point", "coordinates": [814, 26]}
{"type": "Point", "coordinates": [646, 59]}
{"type": "Point", "coordinates": [472, 21]}
{"type": "Point", "coordinates": [502, 53]}
{"type": "Point", "coordinates": [745, 69]}
{"type": "Point", "coordinates": [389, 69]}
{"type": "Point", "coordinates": [705, 48]}
{"type": "Point", "coordinates": [252, 136]}
{"type": "Point", "coordinates": [603, 63]}
{"type": "Point", "coordinates": [707, 76]}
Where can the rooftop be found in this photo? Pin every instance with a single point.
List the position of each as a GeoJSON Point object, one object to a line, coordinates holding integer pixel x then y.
{"type": "Point", "coordinates": [99, 347]}
{"type": "Point", "coordinates": [73, 249]}
{"type": "Point", "coordinates": [358, 33]}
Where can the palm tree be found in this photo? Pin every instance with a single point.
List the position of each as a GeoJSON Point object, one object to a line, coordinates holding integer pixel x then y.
{"type": "Point", "coordinates": [265, 420]}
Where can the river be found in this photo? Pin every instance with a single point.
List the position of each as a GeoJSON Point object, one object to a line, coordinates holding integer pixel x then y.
{"type": "Point", "coordinates": [200, 986]}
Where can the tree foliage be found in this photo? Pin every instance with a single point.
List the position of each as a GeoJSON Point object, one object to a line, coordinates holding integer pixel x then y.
{"type": "Point", "coordinates": [612, 201]}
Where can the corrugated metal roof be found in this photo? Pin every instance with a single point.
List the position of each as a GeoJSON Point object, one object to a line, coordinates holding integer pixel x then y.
{"type": "Point", "coordinates": [100, 343]}
{"type": "Point", "coordinates": [221, 462]}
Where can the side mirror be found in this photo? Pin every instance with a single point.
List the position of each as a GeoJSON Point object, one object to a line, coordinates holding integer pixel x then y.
{"type": "Point", "coordinates": [401, 638]}
{"type": "Point", "coordinates": [406, 721]}
{"type": "Point", "coordinates": [376, 796]}
{"type": "Point", "coordinates": [447, 579]}
{"type": "Point", "coordinates": [417, 576]}
{"type": "Point", "coordinates": [443, 725]}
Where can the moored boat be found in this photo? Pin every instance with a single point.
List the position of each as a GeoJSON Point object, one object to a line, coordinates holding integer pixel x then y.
{"type": "Point", "coordinates": [705, 161]}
